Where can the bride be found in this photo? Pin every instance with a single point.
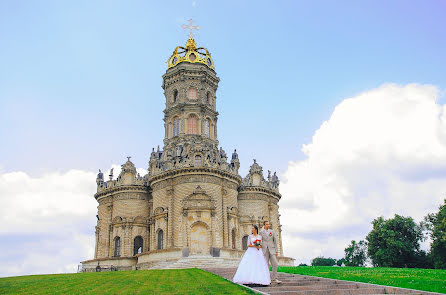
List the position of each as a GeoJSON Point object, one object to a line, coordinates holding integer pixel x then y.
{"type": "Point", "coordinates": [253, 268]}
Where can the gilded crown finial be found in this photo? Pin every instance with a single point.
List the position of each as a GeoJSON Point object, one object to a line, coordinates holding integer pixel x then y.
{"type": "Point", "coordinates": [191, 45]}
{"type": "Point", "coordinates": [191, 53]}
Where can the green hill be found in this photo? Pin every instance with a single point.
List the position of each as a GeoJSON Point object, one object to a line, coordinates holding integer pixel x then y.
{"type": "Point", "coordinates": [433, 280]}
{"type": "Point", "coordinates": [181, 281]}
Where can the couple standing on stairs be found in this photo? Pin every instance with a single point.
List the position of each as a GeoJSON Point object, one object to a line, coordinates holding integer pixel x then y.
{"type": "Point", "coordinates": [253, 268]}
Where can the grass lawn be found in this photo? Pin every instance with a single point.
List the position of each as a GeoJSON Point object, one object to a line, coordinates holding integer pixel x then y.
{"type": "Point", "coordinates": [433, 280]}
{"type": "Point", "coordinates": [175, 281]}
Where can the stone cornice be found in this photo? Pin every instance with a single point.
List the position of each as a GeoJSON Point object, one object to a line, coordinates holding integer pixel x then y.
{"type": "Point", "coordinates": [194, 72]}
{"type": "Point", "coordinates": [122, 188]}
{"type": "Point", "coordinates": [194, 171]}
{"type": "Point", "coordinates": [181, 107]}
{"type": "Point", "coordinates": [262, 190]}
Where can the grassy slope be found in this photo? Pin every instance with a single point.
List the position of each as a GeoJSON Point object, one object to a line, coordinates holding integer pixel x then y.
{"type": "Point", "coordinates": [433, 280]}
{"type": "Point", "coordinates": [184, 281]}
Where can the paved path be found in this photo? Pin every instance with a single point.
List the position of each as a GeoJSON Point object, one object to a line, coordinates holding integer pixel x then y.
{"type": "Point", "coordinates": [308, 285]}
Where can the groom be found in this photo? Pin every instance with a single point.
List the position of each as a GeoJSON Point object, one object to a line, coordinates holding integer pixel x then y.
{"type": "Point", "coordinates": [269, 247]}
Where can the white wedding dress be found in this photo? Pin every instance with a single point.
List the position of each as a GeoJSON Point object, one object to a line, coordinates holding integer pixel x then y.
{"type": "Point", "coordinates": [253, 268]}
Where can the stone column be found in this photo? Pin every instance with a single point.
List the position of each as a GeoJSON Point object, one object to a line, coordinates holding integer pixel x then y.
{"type": "Point", "coordinates": [280, 240]}
{"type": "Point", "coordinates": [171, 218]}
{"type": "Point", "coordinates": [224, 216]}
{"type": "Point", "coordinates": [152, 235]}
{"type": "Point", "coordinates": [215, 128]}
{"type": "Point", "coordinates": [97, 242]}
{"type": "Point", "coordinates": [165, 128]}
{"type": "Point", "coordinates": [110, 240]}
{"type": "Point", "coordinates": [182, 123]}
{"type": "Point", "coordinates": [270, 214]}
{"type": "Point", "coordinates": [147, 246]}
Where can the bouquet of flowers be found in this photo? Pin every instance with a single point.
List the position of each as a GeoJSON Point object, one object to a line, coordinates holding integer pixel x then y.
{"type": "Point", "coordinates": [257, 243]}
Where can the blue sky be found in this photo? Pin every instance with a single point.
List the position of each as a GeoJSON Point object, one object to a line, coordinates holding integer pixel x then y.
{"type": "Point", "coordinates": [344, 99]}
{"type": "Point", "coordinates": [80, 81]}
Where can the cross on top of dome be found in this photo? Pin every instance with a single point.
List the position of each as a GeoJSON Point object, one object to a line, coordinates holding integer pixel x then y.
{"type": "Point", "coordinates": [190, 27]}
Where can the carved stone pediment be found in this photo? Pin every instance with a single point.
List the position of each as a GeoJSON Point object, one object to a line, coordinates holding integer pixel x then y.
{"type": "Point", "coordinates": [198, 200]}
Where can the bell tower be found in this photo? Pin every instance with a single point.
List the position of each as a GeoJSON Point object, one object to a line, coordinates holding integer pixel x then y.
{"type": "Point", "coordinates": [190, 85]}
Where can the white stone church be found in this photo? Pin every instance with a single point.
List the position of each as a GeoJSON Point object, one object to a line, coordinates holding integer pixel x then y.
{"type": "Point", "coordinates": [192, 209]}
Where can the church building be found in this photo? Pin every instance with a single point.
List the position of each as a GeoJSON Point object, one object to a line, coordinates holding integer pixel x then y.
{"type": "Point", "coordinates": [192, 209]}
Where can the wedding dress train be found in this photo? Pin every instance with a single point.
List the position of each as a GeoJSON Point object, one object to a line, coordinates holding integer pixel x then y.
{"type": "Point", "coordinates": [253, 268]}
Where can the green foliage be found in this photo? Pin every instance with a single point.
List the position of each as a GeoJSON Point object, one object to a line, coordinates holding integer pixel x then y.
{"type": "Point", "coordinates": [436, 225]}
{"type": "Point", "coordinates": [356, 253]}
{"type": "Point", "coordinates": [322, 261]}
{"type": "Point", "coordinates": [394, 242]}
{"type": "Point", "coordinates": [175, 281]}
{"type": "Point", "coordinates": [432, 280]}
{"type": "Point", "coordinates": [341, 261]}
{"type": "Point", "coordinates": [303, 264]}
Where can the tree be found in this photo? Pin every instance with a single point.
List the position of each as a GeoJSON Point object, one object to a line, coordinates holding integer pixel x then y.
{"type": "Point", "coordinates": [436, 225]}
{"type": "Point", "coordinates": [394, 242]}
{"type": "Point", "coordinates": [356, 253]}
{"type": "Point", "coordinates": [322, 261]}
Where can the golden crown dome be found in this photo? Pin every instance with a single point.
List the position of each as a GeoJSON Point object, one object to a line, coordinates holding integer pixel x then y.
{"type": "Point", "coordinates": [191, 54]}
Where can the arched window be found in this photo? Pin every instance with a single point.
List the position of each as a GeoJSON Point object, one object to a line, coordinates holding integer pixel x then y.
{"type": "Point", "coordinates": [192, 93]}
{"type": "Point", "coordinates": [117, 252]}
{"type": "Point", "coordinates": [176, 127]}
{"type": "Point", "coordinates": [207, 128]}
{"type": "Point", "coordinates": [175, 95]}
{"type": "Point", "coordinates": [233, 238]}
{"type": "Point", "coordinates": [160, 239]}
{"type": "Point", "coordinates": [208, 98]}
{"type": "Point", "coordinates": [137, 245]}
{"type": "Point", "coordinates": [245, 242]}
{"type": "Point", "coordinates": [197, 161]}
{"type": "Point", "coordinates": [192, 124]}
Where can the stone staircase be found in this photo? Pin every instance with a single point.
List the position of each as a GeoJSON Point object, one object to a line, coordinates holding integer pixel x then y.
{"type": "Point", "coordinates": [308, 285]}
{"type": "Point", "coordinates": [202, 262]}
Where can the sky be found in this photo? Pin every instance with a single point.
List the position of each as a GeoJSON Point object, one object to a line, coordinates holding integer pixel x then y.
{"type": "Point", "coordinates": [344, 99]}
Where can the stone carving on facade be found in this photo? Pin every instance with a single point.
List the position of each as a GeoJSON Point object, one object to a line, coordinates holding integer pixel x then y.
{"type": "Point", "coordinates": [198, 201]}
{"type": "Point", "coordinates": [181, 154]}
{"type": "Point", "coordinates": [255, 178]}
{"type": "Point", "coordinates": [128, 171]}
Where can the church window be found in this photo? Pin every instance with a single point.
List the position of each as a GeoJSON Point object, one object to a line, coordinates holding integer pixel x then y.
{"type": "Point", "coordinates": [160, 239]}
{"type": "Point", "coordinates": [207, 128]}
{"type": "Point", "coordinates": [117, 252]}
{"type": "Point", "coordinates": [176, 127]}
{"type": "Point", "coordinates": [197, 160]}
{"type": "Point", "coordinates": [192, 93]}
{"type": "Point", "coordinates": [175, 95]}
{"type": "Point", "coordinates": [192, 124]}
{"type": "Point", "coordinates": [137, 245]}
{"type": "Point", "coordinates": [245, 242]}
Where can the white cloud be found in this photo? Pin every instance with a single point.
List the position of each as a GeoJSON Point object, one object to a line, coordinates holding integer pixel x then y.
{"type": "Point", "coordinates": [381, 152]}
{"type": "Point", "coordinates": [47, 223]}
